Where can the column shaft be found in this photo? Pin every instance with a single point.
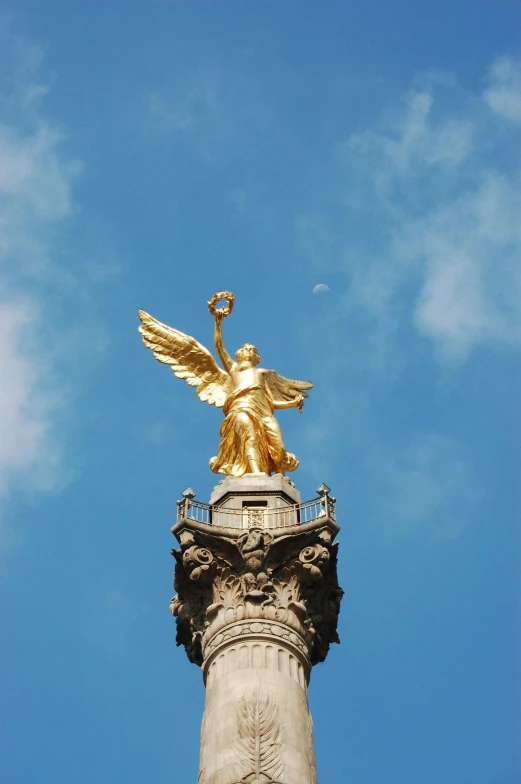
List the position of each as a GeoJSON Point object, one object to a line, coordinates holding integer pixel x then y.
{"type": "Point", "coordinates": [257, 727]}
{"type": "Point", "coordinates": [255, 609]}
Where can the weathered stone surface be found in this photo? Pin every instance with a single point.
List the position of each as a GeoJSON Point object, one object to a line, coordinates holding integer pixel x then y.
{"type": "Point", "coordinates": [256, 609]}
{"type": "Point", "coordinates": [238, 487]}
{"type": "Point", "coordinates": [257, 726]}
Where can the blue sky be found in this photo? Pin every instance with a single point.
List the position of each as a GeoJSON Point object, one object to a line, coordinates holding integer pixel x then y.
{"type": "Point", "coordinates": [152, 153]}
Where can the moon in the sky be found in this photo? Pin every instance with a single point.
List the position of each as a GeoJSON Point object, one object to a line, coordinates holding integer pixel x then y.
{"type": "Point", "coordinates": [320, 288]}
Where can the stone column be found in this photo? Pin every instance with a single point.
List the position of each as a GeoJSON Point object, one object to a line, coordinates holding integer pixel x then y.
{"type": "Point", "coordinates": [256, 607]}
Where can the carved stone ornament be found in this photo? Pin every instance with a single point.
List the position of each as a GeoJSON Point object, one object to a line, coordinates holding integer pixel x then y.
{"type": "Point", "coordinates": [258, 746]}
{"type": "Point", "coordinates": [281, 577]}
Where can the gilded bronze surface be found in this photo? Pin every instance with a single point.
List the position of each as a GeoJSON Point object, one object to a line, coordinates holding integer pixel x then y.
{"type": "Point", "coordinates": [251, 439]}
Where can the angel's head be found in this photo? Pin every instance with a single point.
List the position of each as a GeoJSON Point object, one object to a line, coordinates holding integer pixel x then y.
{"type": "Point", "coordinates": [248, 353]}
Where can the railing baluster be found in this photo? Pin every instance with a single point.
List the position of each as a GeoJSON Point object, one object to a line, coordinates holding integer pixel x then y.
{"type": "Point", "coordinates": [305, 512]}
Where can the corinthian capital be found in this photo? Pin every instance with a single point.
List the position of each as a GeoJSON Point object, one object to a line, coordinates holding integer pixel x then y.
{"type": "Point", "coordinates": [279, 582]}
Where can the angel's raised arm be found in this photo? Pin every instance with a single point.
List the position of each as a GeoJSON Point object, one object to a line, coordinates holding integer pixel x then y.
{"type": "Point", "coordinates": [219, 344]}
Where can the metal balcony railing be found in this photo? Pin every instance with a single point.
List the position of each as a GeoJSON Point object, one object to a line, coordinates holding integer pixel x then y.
{"type": "Point", "coordinates": [257, 516]}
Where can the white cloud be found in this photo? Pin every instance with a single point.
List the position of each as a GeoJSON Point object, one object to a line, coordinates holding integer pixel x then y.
{"type": "Point", "coordinates": [504, 94]}
{"type": "Point", "coordinates": [35, 201]}
{"type": "Point", "coordinates": [472, 279]}
{"type": "Point", "coordinates": [25, 424]}
{"type": "Point", "coordinates": [35, 194]}
{"type": "Point", "coordinates": [432, 231]}
{"type": "Point", "coordinates": [216, 113]}
{"type": "Point", "coordinates": [195, 110]}
{"type": "Point", "coordinates": [409, 143]}
{"type": "Point", "coordinates": [421, 216]}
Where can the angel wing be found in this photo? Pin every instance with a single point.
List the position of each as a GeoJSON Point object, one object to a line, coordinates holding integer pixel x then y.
{"type": "Point", "coordinates": [187, 358]}
{"type": "Point", "coordinates": [281, 388]}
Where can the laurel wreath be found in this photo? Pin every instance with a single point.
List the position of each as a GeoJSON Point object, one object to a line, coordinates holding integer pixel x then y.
{"type": "Point", "coordinates": [230, 299]}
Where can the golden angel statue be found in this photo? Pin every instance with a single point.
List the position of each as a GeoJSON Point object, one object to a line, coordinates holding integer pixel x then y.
{"type": "Point", "coordinates": [251, 439]}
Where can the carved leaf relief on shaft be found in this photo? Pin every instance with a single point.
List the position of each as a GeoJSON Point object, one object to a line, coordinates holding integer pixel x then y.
{"type": "Point", "coordinates": [258, 745]}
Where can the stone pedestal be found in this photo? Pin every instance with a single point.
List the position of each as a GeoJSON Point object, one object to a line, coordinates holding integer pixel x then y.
{"type": "Point", "coordinates": [257, 606]}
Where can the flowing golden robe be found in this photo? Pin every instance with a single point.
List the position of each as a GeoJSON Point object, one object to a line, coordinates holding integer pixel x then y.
{"type": "Point", "coordinates": [251, 440]}
{"type": "Point", "coordinates": [250, 431]}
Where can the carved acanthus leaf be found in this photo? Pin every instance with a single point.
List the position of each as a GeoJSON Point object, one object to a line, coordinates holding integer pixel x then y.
{"type": "Point", "coordinates": [227, 590]}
